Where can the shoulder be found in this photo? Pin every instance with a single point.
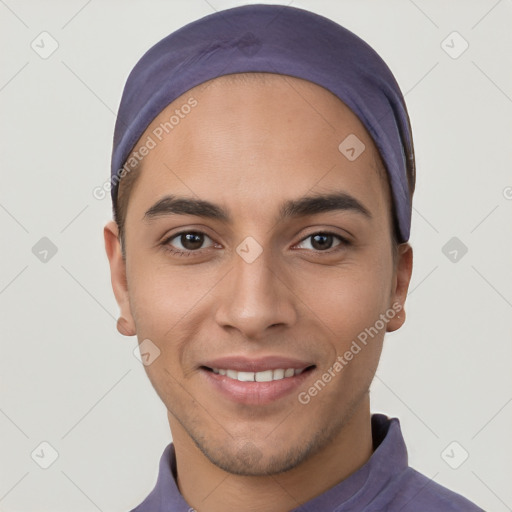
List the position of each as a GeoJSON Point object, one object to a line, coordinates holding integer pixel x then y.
{"type": "Point", "coordinates": [414, 492]}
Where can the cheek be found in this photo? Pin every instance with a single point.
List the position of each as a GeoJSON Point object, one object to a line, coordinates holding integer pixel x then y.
{"type": "Point", "coordinates": [169, 306]}
{"type": "Point", "coordinates": [348, 310]}
{"type": "Point", "coordinates": [348, 299]}
{"type": "Point", "coordinates": [159, 294]}
{"type": "Point", "coordinates": [151, 298]}
{"type": "Point", "coordinates": [159, 305]}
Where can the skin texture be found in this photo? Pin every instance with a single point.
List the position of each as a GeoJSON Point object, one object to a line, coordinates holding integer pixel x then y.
{"type": "Point", "coordinates": [248, 146]}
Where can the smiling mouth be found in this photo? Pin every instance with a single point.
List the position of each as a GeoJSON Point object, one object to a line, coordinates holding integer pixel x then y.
{"type": "Point", "coordinates": [261, 376]}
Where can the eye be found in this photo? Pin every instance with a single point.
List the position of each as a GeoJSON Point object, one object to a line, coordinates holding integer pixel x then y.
{"type": "Point", "coordinates": [322, 241]}
{"type": "Point", "coordinates": [188, 242]}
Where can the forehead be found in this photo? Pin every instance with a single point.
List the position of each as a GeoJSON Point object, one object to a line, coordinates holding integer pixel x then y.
{"type": "Point", "coordinates": [259, 134]}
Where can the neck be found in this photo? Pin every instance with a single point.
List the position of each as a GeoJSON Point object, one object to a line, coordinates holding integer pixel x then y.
{"type": "Point", "coordinates": [206, 486]}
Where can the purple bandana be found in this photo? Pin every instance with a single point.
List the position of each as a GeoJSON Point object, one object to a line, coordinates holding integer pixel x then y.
{"type": "Point", "coordinates": [274, 39]}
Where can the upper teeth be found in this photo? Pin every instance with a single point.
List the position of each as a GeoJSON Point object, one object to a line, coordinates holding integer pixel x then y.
{"type": "Point", "coordinates": [264, 376]}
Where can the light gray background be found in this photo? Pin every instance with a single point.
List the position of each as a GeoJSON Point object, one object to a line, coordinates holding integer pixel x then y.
{"type": "Point", "coordinates": [68, 378]}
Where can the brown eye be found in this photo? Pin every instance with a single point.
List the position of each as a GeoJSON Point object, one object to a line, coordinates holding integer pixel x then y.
{"type": "Point", "coordinates": [186, 242]}
{"type": "Point", "coordinates": [323, 241]}
{"type": "Point", "coordinates": [191, 241]}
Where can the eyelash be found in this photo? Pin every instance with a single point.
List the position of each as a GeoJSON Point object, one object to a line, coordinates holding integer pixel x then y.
{"type": "Point", "coordinates": [176, 252]}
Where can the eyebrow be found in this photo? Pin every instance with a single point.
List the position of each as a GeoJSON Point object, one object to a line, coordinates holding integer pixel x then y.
{"type": "Point", "coordinates": [310, 205]}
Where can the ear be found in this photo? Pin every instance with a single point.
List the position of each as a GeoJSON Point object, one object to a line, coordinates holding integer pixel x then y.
{"type": "Point", "coordinates": [401, 280]}
{"type": "Point", "coordinates": [125, 324]}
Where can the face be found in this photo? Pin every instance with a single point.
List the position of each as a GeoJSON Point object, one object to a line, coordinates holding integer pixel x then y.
{"type": "Point", "coordinates": [260, 279]}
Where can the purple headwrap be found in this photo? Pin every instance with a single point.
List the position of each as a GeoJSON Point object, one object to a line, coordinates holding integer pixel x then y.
{"type": "Point", "coordinates": [274, 39]}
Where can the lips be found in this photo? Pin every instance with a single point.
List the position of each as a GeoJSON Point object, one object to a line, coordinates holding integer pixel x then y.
{"type": "Point", "coordinates": [263, 376]}
{"type": "Point", "coordinates": [255, 381]}
{"type": "Point", "coordinates": [244, 364]}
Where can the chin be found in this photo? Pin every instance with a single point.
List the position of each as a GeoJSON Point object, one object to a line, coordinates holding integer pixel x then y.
{"type": "Point", "coordinates": [248, 458]}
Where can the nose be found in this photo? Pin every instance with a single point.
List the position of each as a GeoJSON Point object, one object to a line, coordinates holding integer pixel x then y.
{"type": "Point", "coordinates": [256, 296]}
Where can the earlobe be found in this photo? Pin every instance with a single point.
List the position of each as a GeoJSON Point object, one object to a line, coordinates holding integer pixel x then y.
{"type": "Point", "coordinates": [124, 327]}
{"type": "Point", "coordinates": [401, 282]}
{"type": "Point", "coordinates": [397, 322]}
{"type": "Point", "coordinates": [125, 324]}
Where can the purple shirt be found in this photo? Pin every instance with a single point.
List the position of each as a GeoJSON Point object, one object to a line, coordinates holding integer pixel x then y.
{"type": "Point", "coordinates": [384, 483]}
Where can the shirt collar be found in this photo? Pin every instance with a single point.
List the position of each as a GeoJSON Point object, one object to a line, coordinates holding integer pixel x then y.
{"type": "Point", "coordinates": [387, 461]}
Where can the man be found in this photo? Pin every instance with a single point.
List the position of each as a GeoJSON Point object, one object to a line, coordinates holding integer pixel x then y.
{"type": "Point", "coordinates": [262, 181]}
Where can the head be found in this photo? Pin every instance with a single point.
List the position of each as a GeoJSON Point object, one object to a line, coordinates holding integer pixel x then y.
{"type": "Point", "coordinates": [262, 271]}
